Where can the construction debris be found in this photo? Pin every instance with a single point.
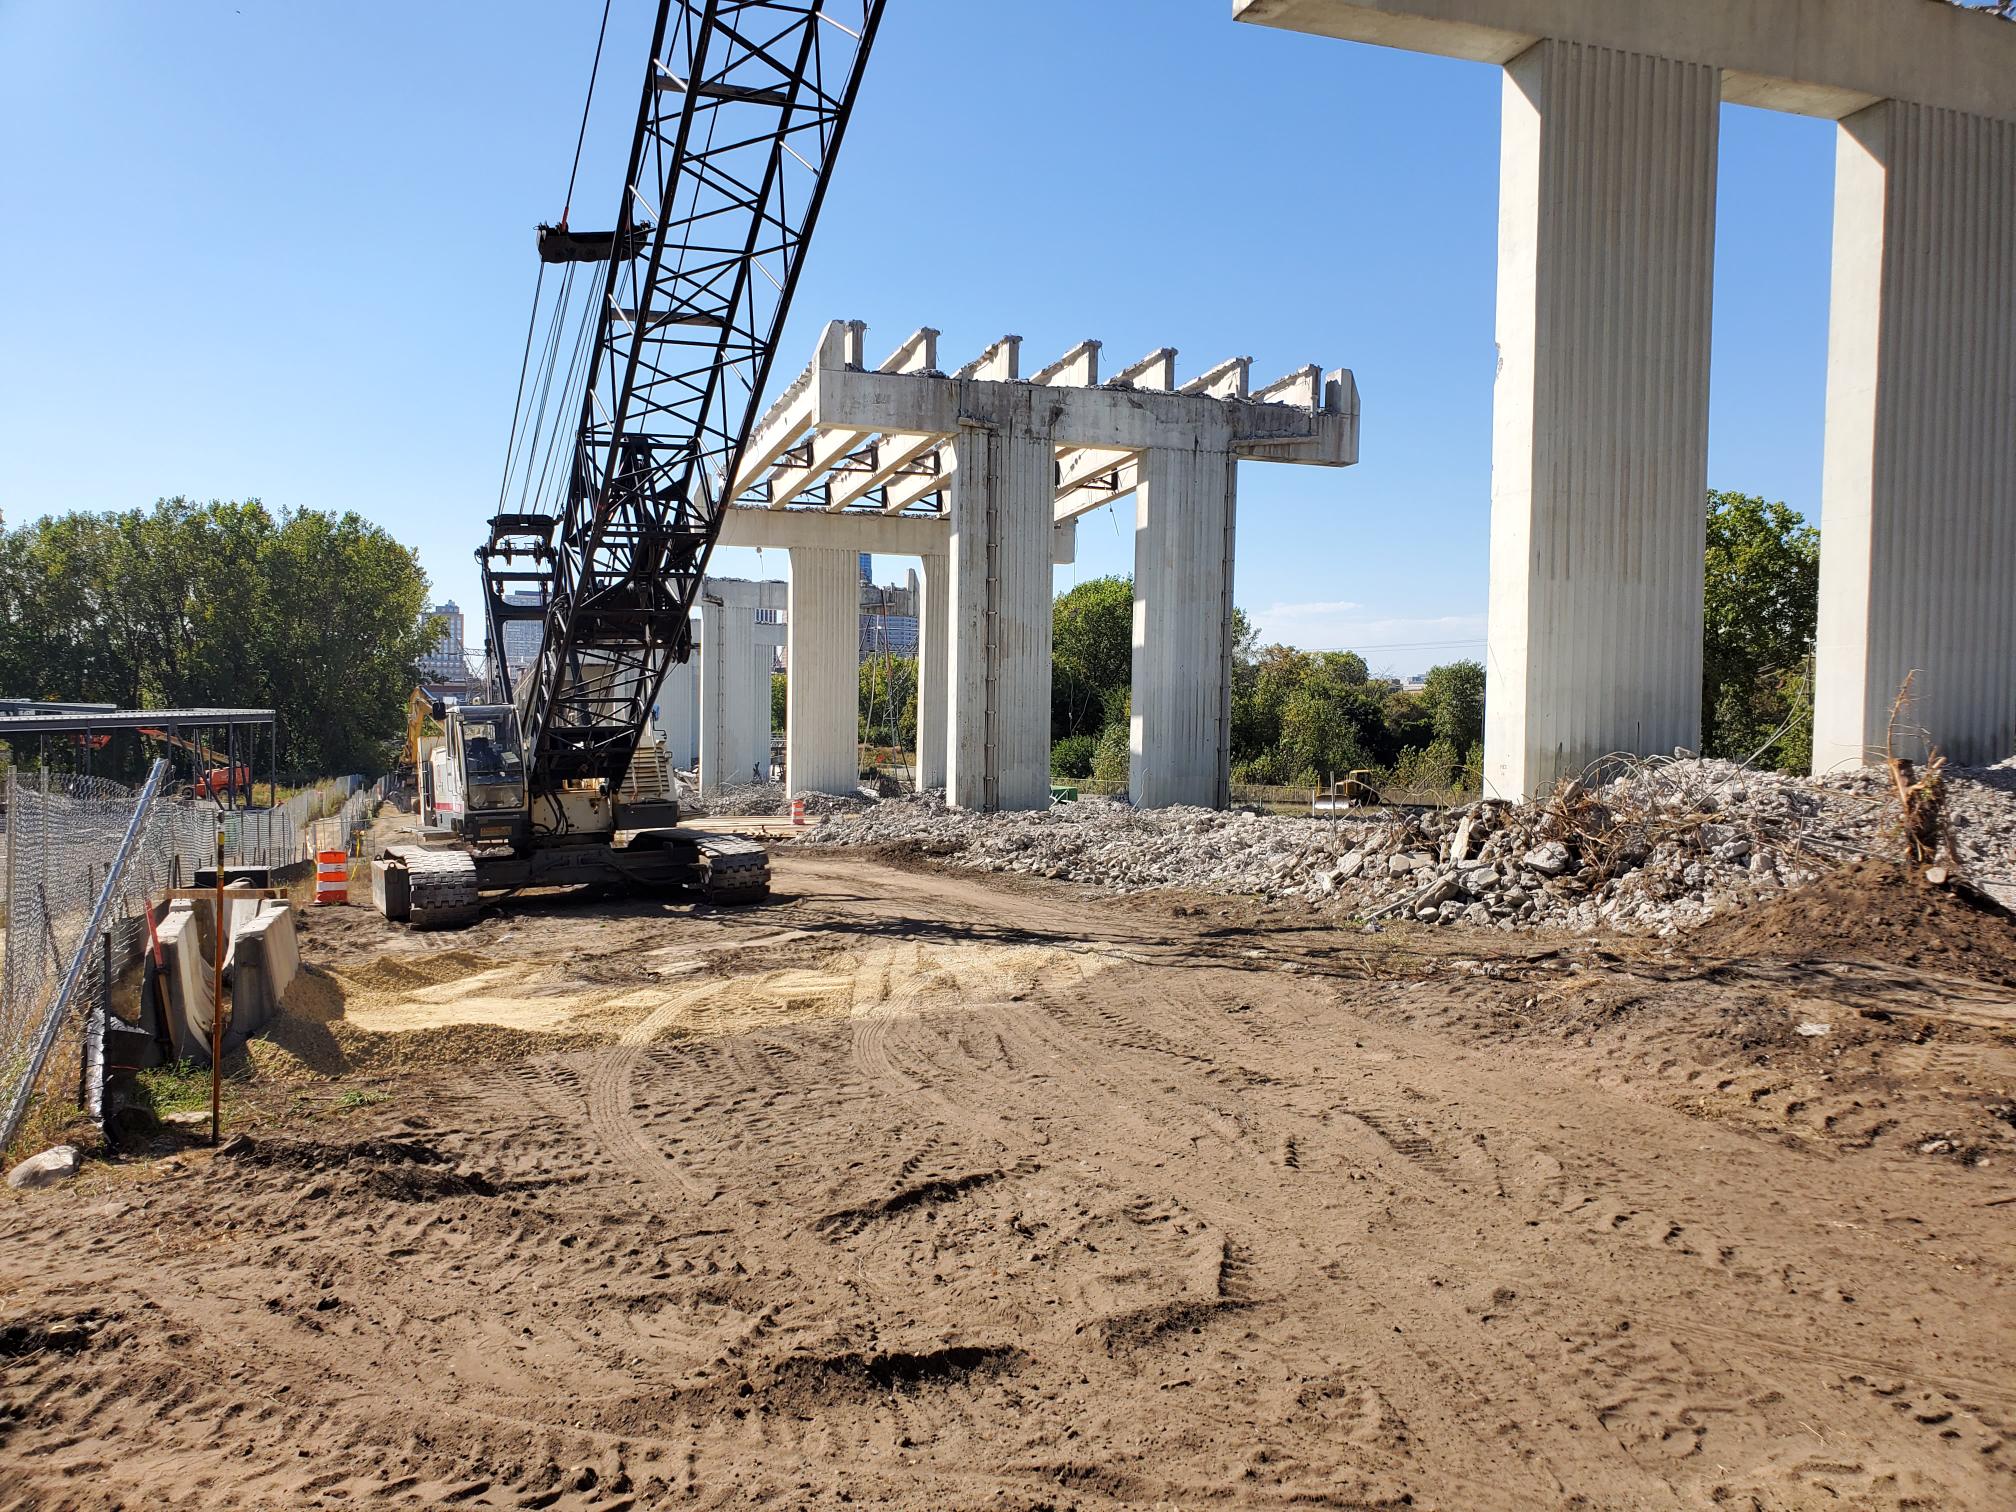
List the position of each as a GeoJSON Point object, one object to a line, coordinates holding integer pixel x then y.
{"type": "Point", "coordinates": [53, 1165]}
{"type": "Point", "coordinates": [1659, 847]}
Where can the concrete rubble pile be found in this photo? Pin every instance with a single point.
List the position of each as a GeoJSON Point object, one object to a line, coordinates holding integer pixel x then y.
{"type": "Point", "coordinates": [1658, 848]}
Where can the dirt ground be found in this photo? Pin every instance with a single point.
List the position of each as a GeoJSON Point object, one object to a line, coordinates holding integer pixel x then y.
{"type": "Point", "coordinates": [928, 1190]}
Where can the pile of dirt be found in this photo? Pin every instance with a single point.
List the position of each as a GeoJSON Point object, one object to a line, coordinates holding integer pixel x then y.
{"type": "Point", "coordinates": [310, 1039]}
{"type": "Point", "coordinates": [1874, 911]}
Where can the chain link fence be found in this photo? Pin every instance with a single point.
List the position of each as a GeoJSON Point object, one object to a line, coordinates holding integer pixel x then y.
{"type": "Point", "coordinates": [64, 835]}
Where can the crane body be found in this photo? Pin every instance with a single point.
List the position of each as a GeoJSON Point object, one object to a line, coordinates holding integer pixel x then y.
{"type": "Point", "coordinates": [744, 106]}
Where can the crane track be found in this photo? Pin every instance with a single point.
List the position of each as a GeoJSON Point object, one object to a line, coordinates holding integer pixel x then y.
{"type": "Point", "coordinates": [738, 868]}
{"type": "Point", "coordinates": [443, 886]}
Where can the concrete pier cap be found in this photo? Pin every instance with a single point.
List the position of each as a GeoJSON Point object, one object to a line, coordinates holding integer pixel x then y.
{"type": "Point", "coordinates": [982, 473]}
{"type": "Point", "coordinates": [1827, 58]}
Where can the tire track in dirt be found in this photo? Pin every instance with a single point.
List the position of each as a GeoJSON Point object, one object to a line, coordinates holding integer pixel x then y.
{"type": "Point", "coordinates": [612, 1115]}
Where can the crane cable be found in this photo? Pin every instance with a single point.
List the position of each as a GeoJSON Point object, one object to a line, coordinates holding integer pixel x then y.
{"type": "Point", "coordinates": [539, 284]}
{"type": "Point", "coordinates": [593, 69]}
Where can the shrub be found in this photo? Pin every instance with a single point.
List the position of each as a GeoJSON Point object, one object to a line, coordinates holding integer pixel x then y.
{"type": "Point", "coordinates": [1073, 756]}
{"type": "Point", "coordinates": [1111, 761]}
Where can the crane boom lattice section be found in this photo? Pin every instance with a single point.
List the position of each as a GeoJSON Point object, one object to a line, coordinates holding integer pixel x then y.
{"type": "Point", "coordinates": [744, 106]}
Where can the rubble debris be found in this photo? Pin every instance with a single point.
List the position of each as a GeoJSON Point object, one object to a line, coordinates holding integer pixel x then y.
{"type": "Point", "coordinates": [766, 798]}
{"type": "Point", "coordinates": [1660, 847]}
{"type": "Point", "coordinates": [58, 1163]}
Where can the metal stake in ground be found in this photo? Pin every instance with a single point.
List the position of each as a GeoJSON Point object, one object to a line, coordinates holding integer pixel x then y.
{"type": "Point", "coordinates": [217, 998]}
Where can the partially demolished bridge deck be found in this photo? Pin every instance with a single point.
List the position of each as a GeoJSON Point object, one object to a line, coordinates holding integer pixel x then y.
{"type": "Point", "coordinates": [981, 473]}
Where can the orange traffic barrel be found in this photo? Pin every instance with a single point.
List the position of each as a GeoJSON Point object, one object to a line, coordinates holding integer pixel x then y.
{"type": "Point", "coordinates": [332, 876]}
{"type": "Point", "coordinates": [797, 810]}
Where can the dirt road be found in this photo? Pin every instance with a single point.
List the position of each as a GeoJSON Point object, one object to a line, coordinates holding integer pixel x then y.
{"type": "Point", "coordinates": [920, 1190]}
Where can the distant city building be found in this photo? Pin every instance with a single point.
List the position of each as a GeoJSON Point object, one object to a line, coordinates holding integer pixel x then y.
{"type": "Point", "coordinates": [445, 661]}
{"type": "Point", "coordinates": [521, 637]}
{"type": "Point", "coordinates": [888, 614]}
{"type": "Point", "coordinates": [889, 634]}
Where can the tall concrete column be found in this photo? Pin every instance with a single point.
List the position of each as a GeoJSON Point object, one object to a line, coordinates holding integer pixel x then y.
{"type": "Point", "coordinates": [933, 654]}
{"type": "Point", "coordinates": [678, 706]}
{"type": "Point", "coordinates": [1600, 421]}
{"type": "Point", "coordinates": [998, 675]}
{"type": "Point", "coordinates": [727, 645]}
{"type": "Point", "coordinates": [768, 637]}
{"type": "Point", "coordinates": [1180, 737]}
{"type": "Point", "coordinates": [1918, 505]}
{"type": "Point", "coordinates": [823, 672]}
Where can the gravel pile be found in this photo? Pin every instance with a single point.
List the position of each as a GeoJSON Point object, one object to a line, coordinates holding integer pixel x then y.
{"type": "Point", "coordinates": [770, 798]}
{"type": "Point", "coordinates": [1660, 847]}
{"type": "Point", "coordinates": [749, 798]}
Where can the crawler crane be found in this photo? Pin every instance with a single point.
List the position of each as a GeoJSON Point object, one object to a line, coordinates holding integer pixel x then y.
{"type": "Point", "coordinates": [744, 106]}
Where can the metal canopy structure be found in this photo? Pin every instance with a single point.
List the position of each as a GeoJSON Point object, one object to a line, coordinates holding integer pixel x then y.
{"type": "Point", "coordinates": [743, 109]}
{"type": "Point", "coordinates": [178, 728]}
{"type": "Point", "coordinates": [76, 720]}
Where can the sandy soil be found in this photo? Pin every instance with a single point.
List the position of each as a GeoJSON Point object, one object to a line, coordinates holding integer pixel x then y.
{"type": "Point", "coordinates": [924, 1190]}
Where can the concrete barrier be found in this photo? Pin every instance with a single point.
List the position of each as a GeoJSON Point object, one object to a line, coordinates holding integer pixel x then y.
{"type": "Point", "coordinates": [264, 955]}
{"type": "Point", "coordinates": [268, 959]}
{"type": "Point", "coordinates": [186, 969]}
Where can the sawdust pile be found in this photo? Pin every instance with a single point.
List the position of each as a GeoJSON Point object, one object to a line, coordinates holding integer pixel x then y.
{"type": "Point", "coordinates": [458, 1008]}
{"type": "Point", "coordinates": [314, 1036]}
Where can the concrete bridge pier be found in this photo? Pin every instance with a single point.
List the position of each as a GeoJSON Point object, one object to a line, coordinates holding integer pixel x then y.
{"type": "Point", "coordinates": [1606, 241]}
{"type": "Point", "coordinates": [1180, 735]}
{"type": "Point", "coordinates": [678, 722]}
{"type": "Point", "coordinates": [823, 687]}
{"type": "Point", "coordinates": [851, 458]}
{"type": "Point", "coordinates": [734, 733]}
{"type": "Point", "coordinates": [1606, 218]}
{"type": "Point", "coordinates": [934, 623]}
{"type": "Point", "coordinates": [997, 704]}
{"type": "Point", "coordinates": [1918, 546]}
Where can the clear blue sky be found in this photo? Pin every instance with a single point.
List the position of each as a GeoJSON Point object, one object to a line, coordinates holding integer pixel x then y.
{"type": "Point", "coordinates": [283, 248]}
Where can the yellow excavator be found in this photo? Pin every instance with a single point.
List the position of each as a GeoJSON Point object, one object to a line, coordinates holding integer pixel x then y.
{"type": "Point", "coordinates": [421, 708]}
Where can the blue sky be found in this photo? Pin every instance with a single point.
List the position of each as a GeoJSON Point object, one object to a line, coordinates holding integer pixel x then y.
{"type": "Point", "coordinates": [283, 248]}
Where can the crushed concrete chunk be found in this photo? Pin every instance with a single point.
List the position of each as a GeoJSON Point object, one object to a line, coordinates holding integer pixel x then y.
{"type": "Point", "coordinates": [51, 1166]}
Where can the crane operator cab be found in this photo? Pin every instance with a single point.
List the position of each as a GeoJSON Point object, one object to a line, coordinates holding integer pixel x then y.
{"type": "Point", "coordinates": [477, 791]}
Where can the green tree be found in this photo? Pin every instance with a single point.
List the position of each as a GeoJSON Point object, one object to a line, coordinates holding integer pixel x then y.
{"type": "Point", "coordinates": [1112, 760]}
{"type": "Point", "coordinates": [1760, 600]}
{"type": "Point", "coordinates": [344, 630]}
{"type": "Point", "coordinates": [1410, 722]}
{"type": "Point", "coordinates": [780, 701]}
{"type": "Point", "coordinates": [1092, 654]}
{"type": "Point", "coordinates": [190, 605]}
{"type": "Point", "coordinates": [1454, 693]}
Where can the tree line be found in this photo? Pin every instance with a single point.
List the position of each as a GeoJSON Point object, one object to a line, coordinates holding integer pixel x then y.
{"type": "Point", "coordinates": [1301, 717]}
{"type": "Point", "coordinates": [1298, 717]}
{"type": "Point", "coordinates": [316, 615]}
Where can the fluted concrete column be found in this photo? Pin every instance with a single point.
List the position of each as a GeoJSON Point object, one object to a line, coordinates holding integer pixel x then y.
{"type": "Point", "coordinates": [998, 676]}
{"type": "Point", "coordinates": [933, 631]}
{"type": "Point", "coordinates": [1179, 739]}
{"type": "Point", "coordinates": [823, 672]}
{"type": "Point", "coordinates": [727, 645]}
{"type": "Point", "coordinates": [678, 711]}
{"type": "Point", "coordinates": [1600, 421]}
{"type": "Point", "coordinates": [1918, 509]}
